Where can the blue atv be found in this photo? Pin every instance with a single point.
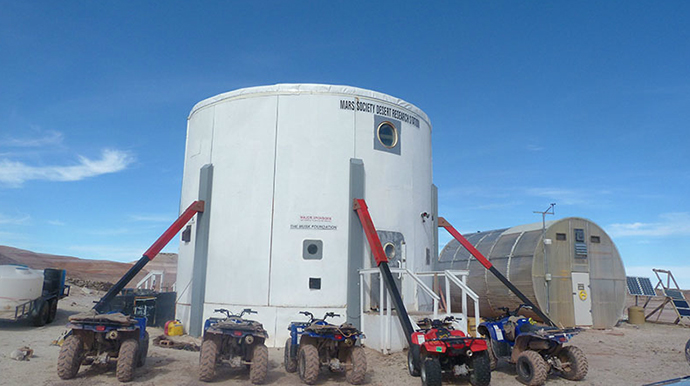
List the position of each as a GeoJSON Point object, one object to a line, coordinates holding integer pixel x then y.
{"type": "Point", "coordinates": [239, 341]}
{"type": "Point", "coordinates": [535, 349]}
{"type": "Point", "coordinates": [317, 343]}
{"type": "Point", "coordinates": [101, 339]}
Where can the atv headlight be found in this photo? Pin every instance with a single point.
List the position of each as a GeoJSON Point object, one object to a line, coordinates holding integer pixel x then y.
{"type": "Point", "coordinates": [469, 353]}
{"type": "Point", "coordinates": [349, 342]}
{"type": "Point", "coordinates": [249, 339]}
{"type": "Point", "coordinates": [111, 335]}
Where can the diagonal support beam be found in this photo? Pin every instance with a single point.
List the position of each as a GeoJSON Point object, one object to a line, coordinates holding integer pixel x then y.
{"type": "Point", "coordinates": [442, 223]}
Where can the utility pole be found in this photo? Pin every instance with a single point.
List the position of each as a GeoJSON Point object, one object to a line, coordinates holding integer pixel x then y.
{"type": "Point", "coordinates": [547, 276]}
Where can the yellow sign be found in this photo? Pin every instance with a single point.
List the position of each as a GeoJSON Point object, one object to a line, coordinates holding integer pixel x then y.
{"type": "Point", "coordinates": [583, 295]}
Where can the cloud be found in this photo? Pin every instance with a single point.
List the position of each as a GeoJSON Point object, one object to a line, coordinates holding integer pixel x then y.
{"type": "Point", "coordinates": [14, 173]}
{"type": "Point", "coordinates": [670, 224]}
{"type": "Point", "coordinates": [16, 220]}
{"type": "Point", "coordinates": [532, 147]}
{"type": "Point", "coordinates": [56, 223]}
{"type": "Point", "coordinates": [151, 218]}
{"type": "Point", "coordinates": [569, 196]}
{"type": "Point", "coordinates": [51, 138]}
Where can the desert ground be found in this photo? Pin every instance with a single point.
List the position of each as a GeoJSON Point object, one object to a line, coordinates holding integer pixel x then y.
{"type": "Point", "coordinates": [624, 355]}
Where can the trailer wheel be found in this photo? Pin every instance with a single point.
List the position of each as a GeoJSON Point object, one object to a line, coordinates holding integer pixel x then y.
{"type": "Point", "coordinates": [289, 361]}
{"type": "Point", "coordinates": [259, 366]}
{"type": "Point", "coordinates": [413, 360]}
{"type": "Point", "coordinates": [126, 360]}
{"type": "Point", "coordinates": [574, 362]}
{"type": "Point", "coordinates": [358, 366]}
{"type": "Point", "coordinates": [207, 360]}
{"type": "Point", "coordinates": [480, 372]}
{"type": "Point", "coordinates": [70, 357]}
{"type": "Point", "coordinates": [431, 372]}
{"type": "Point", "coordinates": [308, 363]}
{"type": "Point", "coordinates": [531, 368]}
{"type": "Point", "coordinates": [53, 310]}
{"type": "Point", "coordinates": [144, 350]}
{"type": "Point", "coordinates": [41, 313]}
{"type": "Point", "coordinates": [687, 351]}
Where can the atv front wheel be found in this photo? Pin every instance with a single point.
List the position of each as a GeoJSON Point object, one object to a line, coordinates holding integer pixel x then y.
{"type": "Point", "coordinates": [574, 363]}
{"type": "Point", "coordinates": [357, 368]}
{"type": "Point", "coordinates": [308, 363]}
{"type": "Point", "coordinates": [144, 350]}
{"type": "Point", "coordinates": [259, 366]}
{"type": "Point", "coordinates": [431, 372]}
{"type": "Point", "coordinates": [413, 360]}
{"type": "Point", "coordinates": [69, 359]}
{"type": "Point", "coordinates": [289, 361]}
{"type": "Point", "coordinates": [207, 360]}
{"type": "Point", "coordinates": [531, 368]}
{"type": "Point", "coordinates": [480, 369]}
{"type": "Point", "coordinates": [126, 360]}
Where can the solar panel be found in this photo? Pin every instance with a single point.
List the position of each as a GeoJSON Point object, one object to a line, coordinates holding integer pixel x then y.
{"type": "Point", "coordinates": [674, 294]}
{"type": "Point", "coordinates": [633, 286]}
{"type": "Point", "coordinates": [681, 304]}
{"type": "Point", "coordinates": [684, 312]}
{"type": "Point", "coordinates": [646, 285]}
{"type": "Point", "coordinates": [640, 286]}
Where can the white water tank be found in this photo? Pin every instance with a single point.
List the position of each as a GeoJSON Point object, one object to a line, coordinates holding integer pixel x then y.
{"type": "Point", "coordinates": [18, 285]}
{"type": "Point", "coordinates": [279, 235]}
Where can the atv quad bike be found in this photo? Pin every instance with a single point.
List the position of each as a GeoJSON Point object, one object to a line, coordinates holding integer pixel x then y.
{"type": "Point", "coordinates": [536, 350]}
{"type": "Point", "coordinates": [236, 340]}
{"type": "Point", "coordinates": [317, 343]}
{"type": "Point", "coordinates": [438, 348]}
{"type": "Point", "coordinates": [101, 339]}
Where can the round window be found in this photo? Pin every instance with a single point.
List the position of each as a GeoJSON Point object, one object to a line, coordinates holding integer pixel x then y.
{"type": "Point", "coordinates": [387, 134]}
{"type": "Point", "coordinates": [389, 250]}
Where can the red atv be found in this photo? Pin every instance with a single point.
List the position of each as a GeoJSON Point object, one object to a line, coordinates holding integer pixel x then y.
{"type": "Point", "coordinates": [438, 348]}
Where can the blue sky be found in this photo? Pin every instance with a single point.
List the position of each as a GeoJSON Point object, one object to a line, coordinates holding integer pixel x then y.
{"type": "Point", "coordinates": [585, 104]}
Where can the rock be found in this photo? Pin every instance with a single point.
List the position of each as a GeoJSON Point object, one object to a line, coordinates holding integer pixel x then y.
{"type": "Point", "coordinates": [22, 354]}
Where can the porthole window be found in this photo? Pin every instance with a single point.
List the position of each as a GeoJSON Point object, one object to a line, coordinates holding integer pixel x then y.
{"type": "Point", "coordinates": [387, 134]}
{"type": "Point", "coordinates": [389, 250]}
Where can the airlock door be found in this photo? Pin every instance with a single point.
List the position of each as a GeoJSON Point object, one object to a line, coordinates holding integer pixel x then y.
{"type": "Point", "coordinates": [582, 301]}
{"type": "Point", "coordinates": [393, 244]}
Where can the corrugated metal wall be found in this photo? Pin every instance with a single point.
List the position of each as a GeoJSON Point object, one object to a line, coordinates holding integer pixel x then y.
{"type": "Point", "coordinates": [518, 253]}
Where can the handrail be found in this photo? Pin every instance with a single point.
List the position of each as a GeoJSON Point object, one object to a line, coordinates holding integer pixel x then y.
{"type": "Point", "coordinates": [462, 285]}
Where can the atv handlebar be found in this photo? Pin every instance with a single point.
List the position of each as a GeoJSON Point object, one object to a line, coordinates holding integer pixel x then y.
{"type": "Point", "coordinates": [313, 319]}
{"type": "Point", "coordinates": [230, 315]}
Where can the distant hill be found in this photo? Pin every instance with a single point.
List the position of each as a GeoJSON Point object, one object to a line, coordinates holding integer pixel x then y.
{"type": "Point", "coordinates": [90, 270]}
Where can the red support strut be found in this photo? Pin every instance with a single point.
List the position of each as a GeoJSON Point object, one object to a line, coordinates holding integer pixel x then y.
{"type": "Point", "coordinates": [462, 240]}
{"type": "Point", "coordinates": [360, 206]}
{"type": "Point", "coordinates": [164, 239]}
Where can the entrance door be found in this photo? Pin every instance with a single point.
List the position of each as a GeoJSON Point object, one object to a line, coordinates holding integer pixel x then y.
{"type": "Point", "coordinates": [582, 300]}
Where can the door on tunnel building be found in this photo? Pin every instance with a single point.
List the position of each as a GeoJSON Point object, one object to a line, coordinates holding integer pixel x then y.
{"type": "Point", "coordinates": [582, 301]}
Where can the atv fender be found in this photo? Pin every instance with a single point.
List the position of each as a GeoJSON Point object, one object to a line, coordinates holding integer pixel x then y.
{"type": "Point", "coordinates": [521, 344]}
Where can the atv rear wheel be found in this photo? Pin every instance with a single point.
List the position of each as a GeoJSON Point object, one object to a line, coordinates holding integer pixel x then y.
{"type": "Point", "coordinates": [308, 364]}
{"type": "Point", "coordinates": [69, 359]}
{"type": "Point", "coordinates": [574, 363]}
{"type": "Point", "coordinates": [480, 369]}
{"type": "Point", "coordinates": [531, 368]}
{"type": "Point", "coordinates": [126, 360]}
{"type": "Point", "coordinates": [431, 372]}
{"type": "Point", "coordinates": [259, 366]}
{"type": "Point", "coordinates": [289, 361]}
{"type": "Point", "coordinates": [357, 368]}
{"type": "Point", "coordinates": [493, 359]}
{"type": "Point", "coordinates": [207, 360]}
{"type": "Point", "coordinates": [143, 350]}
